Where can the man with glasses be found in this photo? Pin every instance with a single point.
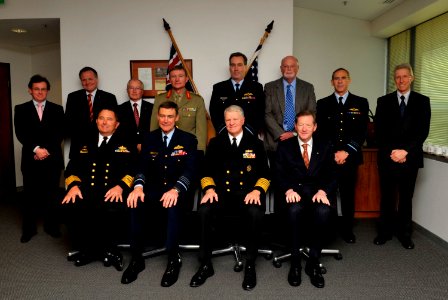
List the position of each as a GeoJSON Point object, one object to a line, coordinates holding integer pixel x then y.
{"type": "Point", "coordinates": [135, 114]}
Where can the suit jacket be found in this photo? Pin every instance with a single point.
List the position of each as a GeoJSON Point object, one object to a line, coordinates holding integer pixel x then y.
{"type": "Point", "coordinates": [240, 171]}
{"type": "Point", "coordinates": [192, 115]}
{"type": "Point", "coordinates": [32, 132]}
{"type": "Point", "coordinates": [346, 128]}
{"type": "Point", "coordinates": [292, 174]}
{"type": "Point", "coordinates": [97, 170]}
{"type": "Point", "coordinates": [275, 107]}
{"type": "Point", "coordinates": [408, 133]}
{"type": "Point", "coordinates": [250, 98]}
{"type": "Point", "coordinates": [77, 115]}
{"type": "Point", "coordinates": [160, 169]}
{"type": "Point", "coordinates": [128, 127]}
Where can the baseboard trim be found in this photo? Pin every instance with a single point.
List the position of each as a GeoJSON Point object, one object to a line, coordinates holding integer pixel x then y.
{"type": "Point", "coordinates": [435, 238]}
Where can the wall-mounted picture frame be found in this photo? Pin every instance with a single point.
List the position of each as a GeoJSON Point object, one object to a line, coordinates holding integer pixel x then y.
{"type": "Point", "coordinates": [153, 74]}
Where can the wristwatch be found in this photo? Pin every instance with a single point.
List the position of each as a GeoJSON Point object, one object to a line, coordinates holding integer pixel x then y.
{"type": "Point", "coordinates": [177, 190]}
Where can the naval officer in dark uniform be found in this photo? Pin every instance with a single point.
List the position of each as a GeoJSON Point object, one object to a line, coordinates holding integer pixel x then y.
{"type": "Point", "coordinates": [98, 177]}
{"type": "Point", "coordinates": [247, 94]}
{"type": "Point", "coordinates": [235, 181]}
{"type": "Point", "coordinates": [342, 118]}
{"type": "Point", "coordinates": [162, 186]}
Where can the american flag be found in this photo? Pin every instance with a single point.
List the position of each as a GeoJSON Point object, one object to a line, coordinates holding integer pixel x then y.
{"type": "Point", "coordinates": [172, 62]}
{"type": "Point", "coordinates": [252, 73]}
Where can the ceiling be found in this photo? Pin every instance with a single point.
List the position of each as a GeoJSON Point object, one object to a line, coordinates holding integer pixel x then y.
{"type": "Point", "coordinates": [367, 10]}
{"type": "Point", "coordinates": [40, 32]}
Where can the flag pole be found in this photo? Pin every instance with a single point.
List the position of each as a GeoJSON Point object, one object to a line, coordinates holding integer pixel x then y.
{"type": "Point", "coordinates": [190, 78]}
{"type": "Point", "coordinates": [267, 31]}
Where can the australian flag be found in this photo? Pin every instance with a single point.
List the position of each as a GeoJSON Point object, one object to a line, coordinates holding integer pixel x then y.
{"type": "Point", "coordinates": [173, 61]}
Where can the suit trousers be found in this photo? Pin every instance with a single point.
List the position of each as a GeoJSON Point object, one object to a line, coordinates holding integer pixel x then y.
{"type": "Point", "coordinates": [231, 204]}
{"type": "Point", "coordinates": [309, 223]}
{"type": "Point", "coordinates": [397, 185]}
{"type": "Point", "coordinates": [347, 175]}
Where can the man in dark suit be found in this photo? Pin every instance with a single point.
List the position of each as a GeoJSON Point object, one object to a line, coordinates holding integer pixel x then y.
{"type": "Point", "coordinates": [402, 122]}
{"type": "Point", "coordinates": [238, 91]}
{"type": "Point", "coordinates": [236, 171]}
{"type": "Point", "coordinates": [98, 177]}
{"type": "Point", "coordinates": [38, 128]}
{"type": "Point", "coordinates": [82, 108]}
{"type": "Point", "coordinates": [305, 169]}
{"type": "Point", "coordinates": [343, 119]}
{"type": "Point", "coordinates": [165, 173]}
{"type": "Point", "coordinates": [284, 98]}
{"type": "Point", "coordinates": [135, 114]}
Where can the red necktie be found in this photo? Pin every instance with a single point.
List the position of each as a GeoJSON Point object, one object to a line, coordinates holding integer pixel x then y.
{"type": "Point", "coordinates": [89, 98]}
{"type": "Point", "coordinates": [305, 155]}
{"type": "Point", "coordinates": [136, 116]}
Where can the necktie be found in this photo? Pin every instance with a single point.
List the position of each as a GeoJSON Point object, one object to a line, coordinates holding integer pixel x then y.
{"type": "Point", "coordinates": [402, 105]}
{"type": "Point", "coordinates": [288, 122]}
{"type": "Point", "coordinates": [39, 110]}
{"type": "Point", "coordinates": [103, 143]}
{"type": "Point", "coordinates": [165, 141]}
{"type": "Point", "coordinates": [306, 159]}
{"type": "Point", "coordinates": [234, 145]}
{"type": "Point", "coordinates": [237, 87]}
{"type": "Point", "coordinates": [136, 116]}
{"type": "Point", "coordinates": [341, 104]}
{"type": "Point", "coordinates": [89, 98]}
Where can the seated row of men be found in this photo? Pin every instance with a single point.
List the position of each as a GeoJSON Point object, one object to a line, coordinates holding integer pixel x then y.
{"type": "Point", "coordinates": [235, 180]}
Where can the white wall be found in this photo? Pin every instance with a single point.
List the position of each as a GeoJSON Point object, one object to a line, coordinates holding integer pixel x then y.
{"type": "Point", "coordinates": [430, 205]}
{"type": "Point", "coordinates": [324, 42]}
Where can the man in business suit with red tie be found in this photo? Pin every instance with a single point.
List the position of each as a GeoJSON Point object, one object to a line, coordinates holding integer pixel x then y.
{"type": "Point", "coordinates": [306, 178]}
{"type": "Point", "coordinates": [343, 119]}
{"type": "Point", "coordinates": [82, 109]}
{"type": "Point", "coordinates": [135, 114]}
{"type": "Point", "coordinates": [38, 128]}
{"type": "Point", "coordinates": [402, 123]}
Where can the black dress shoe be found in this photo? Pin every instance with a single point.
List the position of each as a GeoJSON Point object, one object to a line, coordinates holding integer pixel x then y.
{"type": "Point", "coordinates": [130, 274]}
{"type": "Point", "coordinates": [312, 269]}
{"type": "Point", "coordinates": [172, 271]}
{"type": "Point", "coordinates": [407, 243]}
{"type": "Point", "coordinates": [349, 237]}
{"type": "Point", "coordinates": [381, 239]}
{"type": "Point", "coordinates": [26, 236]}
{"type": "Point", "coordinates": [295, 275]}
{"type": "Point", "coordinates": [113, 258]}
{"type": "Point", "coordinates": [83, 259]}
{"type": "Point", "coordinates": [250, 277]}
{"type": "Point", "coordinates": [205, 271]}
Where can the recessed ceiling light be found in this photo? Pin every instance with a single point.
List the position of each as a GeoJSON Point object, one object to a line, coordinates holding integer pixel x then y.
{"type": "Point", "coordinates": [19, 30]}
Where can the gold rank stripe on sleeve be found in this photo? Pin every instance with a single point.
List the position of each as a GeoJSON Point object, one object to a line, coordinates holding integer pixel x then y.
{"type": "Point", "coordinates": [207, 181]}
{"type": "Point", "coordinates": [263, 183]}
{"type": "Point", "coordinates": [72, 178]}
{"type": "Point", "coordinates": [128, 180]}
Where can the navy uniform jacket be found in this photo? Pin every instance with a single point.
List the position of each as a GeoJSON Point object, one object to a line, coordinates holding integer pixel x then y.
{"type": "Point", "coordinates": [161, 169]}
{"type": "Point", "coordinates": [292, 173]}
{"type": "Point", "coordinates": [408, 133]}
{"type": "Point", "coordinates": [241, 171]}
{"type": "Point", "coordinates": [250, 98]}
{"type": "Point", "coordinates": [127, 121]}
{"type": "Point", "coordinates": [95, 171]}
{"type": "Point", "coordinates": [346, 128]}
{"type": "Point", "coordinates": [77, 116]}
{"type": "Point", "coordinates": [32, 132]}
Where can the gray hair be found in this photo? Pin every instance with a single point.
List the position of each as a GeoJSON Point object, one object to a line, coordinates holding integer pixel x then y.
{"type": "Point", "coordinates": [234, 108]}
{"type": "Point", "coordinates": [404, 66]}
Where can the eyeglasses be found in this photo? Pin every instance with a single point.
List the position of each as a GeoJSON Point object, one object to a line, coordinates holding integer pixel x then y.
{"type": "Point", "coordinates": [134, 88]}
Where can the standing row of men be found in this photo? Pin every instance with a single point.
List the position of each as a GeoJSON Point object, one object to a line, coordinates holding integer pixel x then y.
{"type": "Point", "coordinates": [106, 140]}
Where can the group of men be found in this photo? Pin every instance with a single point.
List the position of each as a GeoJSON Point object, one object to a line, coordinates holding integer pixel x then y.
{"type": "Point", "coordinates": [151, 159]}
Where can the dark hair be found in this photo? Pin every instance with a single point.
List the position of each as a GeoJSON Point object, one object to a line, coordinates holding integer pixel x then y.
{"type": "Point", "coordinates": [169, 105]}
{"type": "Point", "coordinates": [112, 108]}
{"type": "Point", "coordinates": [87, 69]}
{"type": "Point", "coordinates": [340, 69]}
{"type": "Point", "coordinates": [36, 79]}
{"type": "Point", "coordinates": [305, 113]}
{"type": "Point", "coordinates": [238, 54]}
{"type": "Point", "coordinates": [178, 67]}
